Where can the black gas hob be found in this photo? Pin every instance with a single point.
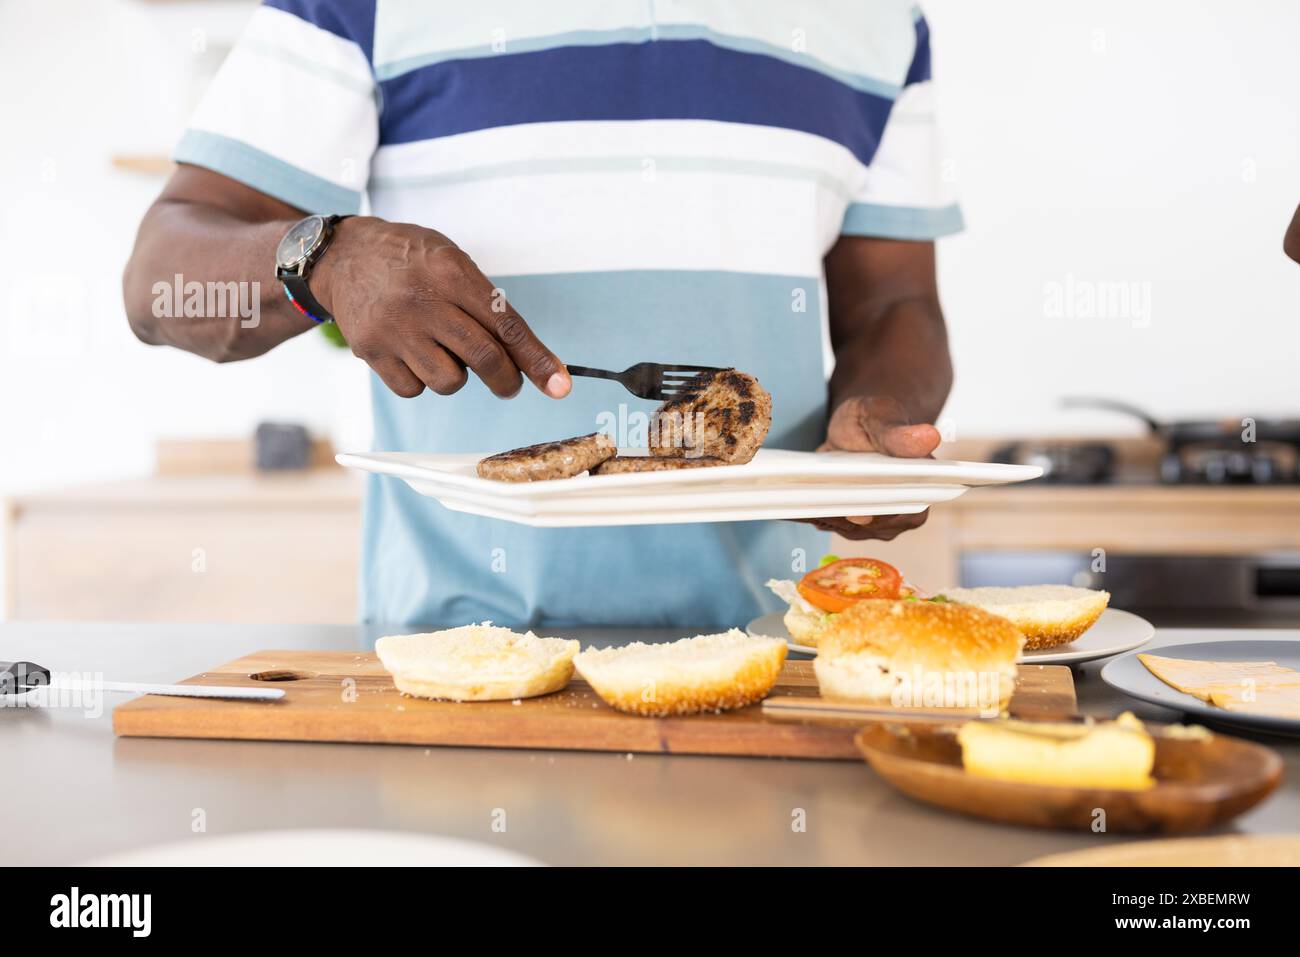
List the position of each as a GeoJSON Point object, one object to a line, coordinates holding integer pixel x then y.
{"type": "Point", "coordinates": [1237, 451]}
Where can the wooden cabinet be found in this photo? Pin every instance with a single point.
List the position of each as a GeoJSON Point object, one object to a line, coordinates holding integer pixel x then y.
{"type": "Point", "coordinates": [228, 548]}
{"type": "Point", "coordinates": [1120, 519]}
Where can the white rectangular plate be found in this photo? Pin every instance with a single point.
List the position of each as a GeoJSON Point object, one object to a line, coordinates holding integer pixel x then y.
{"type": "Point", "coordinates": [703, 498]}
{"type": "Point", "coordinates": [776, 484]}
{"type": "Point", "coordinates": [757, 513]}
{"type": "Point", "coordinates": [870, 468]}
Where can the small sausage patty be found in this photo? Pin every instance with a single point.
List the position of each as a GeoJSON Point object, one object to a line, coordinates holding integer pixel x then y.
{"type": "Point", "coordinates": [549, 460]}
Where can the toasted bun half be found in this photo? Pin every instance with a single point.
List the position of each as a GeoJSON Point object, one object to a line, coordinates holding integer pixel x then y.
{"type": "Point", "coordinates": [477, 663]}
{"type": "Point", "coordinates": [706, 673]}
{"type": "Point", "coordinates": [804, 621]}
{"type": "Point", "coordinates": [1049, 615]}
{"type": "Point", "coordinates": [873, 649]}
{"type": "Point", "coordinates": [805, 627]}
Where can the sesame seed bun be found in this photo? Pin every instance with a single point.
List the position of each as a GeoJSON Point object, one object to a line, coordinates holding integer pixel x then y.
{"type": "Point", "coordinates": [865, 651]}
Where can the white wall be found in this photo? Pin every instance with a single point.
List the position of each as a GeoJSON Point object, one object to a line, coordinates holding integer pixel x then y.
{"type": "Point", "coordinates": [1111, 141]}
{"type": "Point", "coordinates": [81, 399]}
{"type": "Point", "coordinates": [1116, 142]}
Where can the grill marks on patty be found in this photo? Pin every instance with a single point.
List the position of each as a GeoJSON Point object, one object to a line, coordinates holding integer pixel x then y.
{"type": "Point", "coordinates": [549, 460]}
{"type": "Point", "coordinates": [722, 422]}
{"type": "Point", "coordinates": [727, 418]}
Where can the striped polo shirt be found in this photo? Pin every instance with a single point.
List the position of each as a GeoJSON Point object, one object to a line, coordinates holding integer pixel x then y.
{"type": "Point", "coordinates": [645, 180]}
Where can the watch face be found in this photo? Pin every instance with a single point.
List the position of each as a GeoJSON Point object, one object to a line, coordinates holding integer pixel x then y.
{"type": "Point", "coordinates": [299, 242]}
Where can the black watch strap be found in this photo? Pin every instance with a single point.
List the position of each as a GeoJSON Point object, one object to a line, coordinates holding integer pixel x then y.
{"type": "Point", "coordinates": [295, 283]}
{"type": "Point", "coordinates": [301, 297]}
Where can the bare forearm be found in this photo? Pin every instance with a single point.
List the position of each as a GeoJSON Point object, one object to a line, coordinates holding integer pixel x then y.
{"type": "Point", "coordinates": [901, 353]}
{"type": "Point", "coordinates": [892, 369]}
{"type": "Point", "coordinates": [407, 299]}
{"type": "Point", "coordinates": [1291, 242]}
{"type": "Point", "coordinates": [177, 285]}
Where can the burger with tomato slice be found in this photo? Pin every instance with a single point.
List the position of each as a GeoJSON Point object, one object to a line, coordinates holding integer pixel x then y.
{"type": "Point", "coordinates": [834, 585]}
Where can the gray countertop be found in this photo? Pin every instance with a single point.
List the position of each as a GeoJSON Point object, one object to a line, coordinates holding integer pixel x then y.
{"type": "Point", "coordinates": [75, 792]}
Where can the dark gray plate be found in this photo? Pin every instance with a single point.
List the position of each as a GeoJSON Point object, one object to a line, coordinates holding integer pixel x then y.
{"type": "Point", "coordinates": [1130, 676]}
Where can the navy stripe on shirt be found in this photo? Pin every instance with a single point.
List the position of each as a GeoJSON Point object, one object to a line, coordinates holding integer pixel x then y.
{"type": "Point", "coordinates": [919, 71]}
{"type": "Point", "coordinates": [352, 20]}
{"type": "Point", "coordinates": [664, 79]}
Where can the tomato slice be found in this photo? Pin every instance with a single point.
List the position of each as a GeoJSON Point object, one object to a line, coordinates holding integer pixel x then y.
{"type": "Point", "coordinates": [838, 585]}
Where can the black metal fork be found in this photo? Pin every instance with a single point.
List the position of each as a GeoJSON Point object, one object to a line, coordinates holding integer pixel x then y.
{"type": "Point", "coordinates": [651, 380]}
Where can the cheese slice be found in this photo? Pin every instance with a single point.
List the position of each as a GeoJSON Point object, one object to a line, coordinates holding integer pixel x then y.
{"type": "Point", "coordinates": [1247, 687]}
{"type": "Point", "coordinates": [1277, 702]}
{"type": "Point", "coordinates": [1111, 754]}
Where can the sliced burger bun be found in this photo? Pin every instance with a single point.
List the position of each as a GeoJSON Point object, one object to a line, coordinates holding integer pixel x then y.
{"type": "Point", "coordinates": [891, 653]}
{"type": "Point", "coordinates": [1048, 615]}
{"type": "Point", "coordinates": [477, 663]}
{"type": "Point", "coordinates": [804, 620]}
{"type": "Point", "coordinates": [805, 627]}
{"type": "Point", "coordinates": [689, 676]}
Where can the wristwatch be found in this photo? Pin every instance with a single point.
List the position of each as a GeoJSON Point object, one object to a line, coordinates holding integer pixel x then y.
{"type": "Point", "coordinates": [298, 251]}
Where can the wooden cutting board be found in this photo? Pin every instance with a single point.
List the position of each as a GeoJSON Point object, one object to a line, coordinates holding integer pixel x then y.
{"type": "Point", "coordinates": [349, 697]}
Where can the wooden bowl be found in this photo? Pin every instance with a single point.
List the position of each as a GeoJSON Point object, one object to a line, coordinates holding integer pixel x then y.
{"type": "Point", "coordinates": [1199, 783]}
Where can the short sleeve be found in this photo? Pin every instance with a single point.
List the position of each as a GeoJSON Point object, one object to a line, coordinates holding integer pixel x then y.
{"type": "Point", "coordinates": [908, 192]}
{"type": "Point", "coordinates": [293, 111]}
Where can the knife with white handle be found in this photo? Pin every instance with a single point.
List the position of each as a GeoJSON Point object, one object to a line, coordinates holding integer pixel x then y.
{"type": "Point", "coordinates": [22, 677]}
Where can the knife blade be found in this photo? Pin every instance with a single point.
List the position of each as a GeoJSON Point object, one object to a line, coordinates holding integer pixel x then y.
{"type": "Point", "coordinates": [24, 677]}
{"type": "Point", "coordinates": [176, 691]}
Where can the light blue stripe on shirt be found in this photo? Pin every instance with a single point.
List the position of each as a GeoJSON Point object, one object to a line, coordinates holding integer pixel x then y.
{"type": "Point", "coordinates": [901, 222]}
{"type": "Point", "coordinates": [264, 172]}
{"type": "Point", "coordinates": [427, 565]}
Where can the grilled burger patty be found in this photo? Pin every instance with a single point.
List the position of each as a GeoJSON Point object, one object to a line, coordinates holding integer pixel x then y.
{"type": "Point", "coordinates": [549, 460]}
{"type": "Point", "coordinates": [653, 463]}
{"type": "Point", "coordinates": [726, 419]}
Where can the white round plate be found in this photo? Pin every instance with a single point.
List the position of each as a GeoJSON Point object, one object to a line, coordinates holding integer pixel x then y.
{"type": "Point", "coordinates": [1114, 633]}
{"type": "Point", "coordinates": [1130, 676]}
{"type": "Point", "coordinates": [344, 847]}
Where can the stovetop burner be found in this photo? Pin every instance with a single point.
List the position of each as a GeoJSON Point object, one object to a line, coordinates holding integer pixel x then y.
{"type": "Point", "coordinates": [1240, 451]}
{"type": "Point", "coordinates": [1265, 463]}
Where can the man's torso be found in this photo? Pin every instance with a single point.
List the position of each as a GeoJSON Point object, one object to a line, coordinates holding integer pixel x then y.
{"type": "Point", "coordinates": [643, 181]}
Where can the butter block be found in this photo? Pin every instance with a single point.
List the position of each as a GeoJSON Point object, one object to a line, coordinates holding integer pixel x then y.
{"type": "Point", "coordinates": [1111, 754]}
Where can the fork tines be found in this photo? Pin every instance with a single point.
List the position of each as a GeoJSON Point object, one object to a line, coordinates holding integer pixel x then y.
{"type": "Point", "coordinates": [651, 380]}
{"type": "Point", "coordinates": [676, 380]}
